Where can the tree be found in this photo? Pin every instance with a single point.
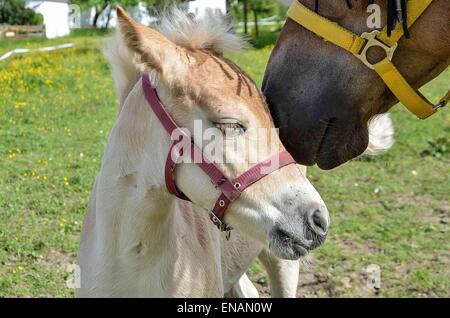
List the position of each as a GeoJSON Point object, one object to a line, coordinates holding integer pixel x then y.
{"type": "Point", "coordinates": [103, 5]}
{"type": "Point", "coordinates": [261, 7]}
{"type": "Point", "coordinates": [14, 12]}
{"type": "Point", "coordinates": [245, 16]}
{"type": "Point", "coordinates": [98, 5]}
{"type": "Point", "coordinates": [241, 9]}
{"type": "Point", "coordinates": [154, 6]}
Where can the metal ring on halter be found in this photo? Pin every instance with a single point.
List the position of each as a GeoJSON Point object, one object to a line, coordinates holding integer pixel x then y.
{"type": "Point", "coordinates": [439, 105]}
{"type": "Point", "coordinates": [373, 41]}
{"type": "Point", "coordinates": [222, 226]}
{"type": "Point", "coordinates": [214, 218]}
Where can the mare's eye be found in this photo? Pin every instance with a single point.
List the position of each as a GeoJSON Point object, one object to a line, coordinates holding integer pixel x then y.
{"type": "Point", "coordinates": [230, 127]}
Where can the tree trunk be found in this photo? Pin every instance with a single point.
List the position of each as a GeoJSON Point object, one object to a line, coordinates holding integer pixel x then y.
{"type": "Point", "coordinates": [98, 12]}
{"type": "Point", "coordinates": [255, 15]}
{"type": "Point", "coordinates": [109, 17]}
{"type": "Point", "coordinates": [96, 16]}
{"type": "Point", "coordinates": [245, 17]}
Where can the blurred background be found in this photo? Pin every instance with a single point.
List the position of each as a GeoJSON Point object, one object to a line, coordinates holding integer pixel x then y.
{"type": "Point", "coordinates": [390, 214]}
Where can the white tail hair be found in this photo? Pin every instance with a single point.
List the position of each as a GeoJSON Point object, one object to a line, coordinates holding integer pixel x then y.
{"type": "Point", "coordinates": [381, 135]}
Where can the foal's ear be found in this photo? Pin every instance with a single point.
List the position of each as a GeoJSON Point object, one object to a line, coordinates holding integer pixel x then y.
{"type": "Point", "coordinates": [153, 49]}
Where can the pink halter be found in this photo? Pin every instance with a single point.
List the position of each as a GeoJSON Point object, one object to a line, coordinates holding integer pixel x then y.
{"type": "Point", "coordinates": [231, 188]}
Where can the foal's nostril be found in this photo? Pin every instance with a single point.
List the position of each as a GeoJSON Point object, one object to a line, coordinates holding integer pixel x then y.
{"type": "Point", "coordinates": [319, 221]}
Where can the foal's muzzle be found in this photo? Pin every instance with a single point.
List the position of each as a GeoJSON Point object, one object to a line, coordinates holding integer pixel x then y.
{"type": "Point", "coordinates": [292, 240]}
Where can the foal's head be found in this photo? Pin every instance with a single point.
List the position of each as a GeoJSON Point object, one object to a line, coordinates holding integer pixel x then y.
{"type": "Point", "coordinates": [203, 90]}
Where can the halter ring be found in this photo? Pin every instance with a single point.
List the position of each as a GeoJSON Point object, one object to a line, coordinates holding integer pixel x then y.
{"type": "Point", "coordinates": [372, 41]}
{"type": "Point", "coordinates": [439, 105]}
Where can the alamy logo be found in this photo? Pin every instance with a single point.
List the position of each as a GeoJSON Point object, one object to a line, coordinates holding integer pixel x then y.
{"type": "Point", "coordinates": [225, 146]}
{"type": "Point", "coordinates": [374, 19]}
{"type": "Point", "coordinates": [373, 272]}
{"type": "Point", "coordinates": [74, 278]}
{"type": "Point", "coordinates": [74, 16]}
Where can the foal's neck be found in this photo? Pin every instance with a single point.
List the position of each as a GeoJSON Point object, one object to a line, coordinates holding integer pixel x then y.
{"type": "Point", "coordinates": [134, 165]}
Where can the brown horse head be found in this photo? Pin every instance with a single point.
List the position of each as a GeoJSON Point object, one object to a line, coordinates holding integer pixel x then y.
{"type": "Point", "coordinates": [322, 97]}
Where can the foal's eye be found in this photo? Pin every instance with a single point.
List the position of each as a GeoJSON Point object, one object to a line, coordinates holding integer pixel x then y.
{"type": "Point", "coordinates": [230, 127]}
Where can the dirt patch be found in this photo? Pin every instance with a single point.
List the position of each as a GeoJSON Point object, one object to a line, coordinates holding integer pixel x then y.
{"type": "Point", "coordinates": [58, 259]}
{"type": "Point", "coordinates": [314, 282]}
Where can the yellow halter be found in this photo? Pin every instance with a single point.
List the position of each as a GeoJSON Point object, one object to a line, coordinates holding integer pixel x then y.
{"type": "Point", "coordinates": [359, 45]}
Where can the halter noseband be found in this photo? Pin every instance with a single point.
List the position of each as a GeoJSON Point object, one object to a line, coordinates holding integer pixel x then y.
{"type": "Point", "coordinates": [359, 45]}
{"type": "Point", "coordinates": [231, 188]}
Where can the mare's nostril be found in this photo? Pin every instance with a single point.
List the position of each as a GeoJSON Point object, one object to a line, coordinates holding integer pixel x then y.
{"type": "Point", "coordinates": [319, 221]}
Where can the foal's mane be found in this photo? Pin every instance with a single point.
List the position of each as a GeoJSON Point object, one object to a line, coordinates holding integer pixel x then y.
{"type": "Point", "coordinates": [211, 32]}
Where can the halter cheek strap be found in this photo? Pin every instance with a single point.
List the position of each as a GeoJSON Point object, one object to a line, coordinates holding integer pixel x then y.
{"type": "Point", "coordinates": [359, 45]}
{"type": "Point", "coordinates": [230, 189]}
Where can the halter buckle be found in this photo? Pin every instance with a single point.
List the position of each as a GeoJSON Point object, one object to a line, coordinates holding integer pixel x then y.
{"type": "Point", "coordinates": [222, 226]}
{"type": "Point", "coordinates": [372, 41]}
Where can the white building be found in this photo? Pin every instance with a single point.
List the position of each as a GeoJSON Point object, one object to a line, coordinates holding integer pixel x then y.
{"type": "Point", "coordinates": [55, 13]}
{"type": "Point", "coordinates": [202, 7]}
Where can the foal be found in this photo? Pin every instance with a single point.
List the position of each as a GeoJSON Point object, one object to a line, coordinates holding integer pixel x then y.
{"type": "Point", "coordinates": [138, 240]}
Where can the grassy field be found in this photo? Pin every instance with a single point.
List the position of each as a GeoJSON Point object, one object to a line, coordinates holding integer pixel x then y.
{"type": "Point", "coordinates": [56, 112]}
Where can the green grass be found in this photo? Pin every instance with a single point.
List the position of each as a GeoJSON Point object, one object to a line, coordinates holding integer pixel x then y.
{"type": "Point", "coordinates": [56, 111]}
{"type": "Point", "coordinates": [77, 36]}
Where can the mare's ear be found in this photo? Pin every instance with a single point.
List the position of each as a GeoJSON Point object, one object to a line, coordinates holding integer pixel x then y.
{"type": "Point", "coordinates": [153, 49]}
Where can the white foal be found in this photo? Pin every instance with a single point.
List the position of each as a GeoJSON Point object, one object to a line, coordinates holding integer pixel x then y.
{"type": "Point", "coordinates": [139, 240]}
